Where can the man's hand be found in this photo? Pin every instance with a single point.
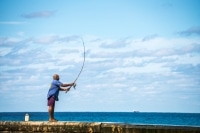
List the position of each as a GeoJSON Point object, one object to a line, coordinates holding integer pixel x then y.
{"type": "Point", "coordinates": [72, 84]}
{"type": "Point", "coordinates": [67, 89]}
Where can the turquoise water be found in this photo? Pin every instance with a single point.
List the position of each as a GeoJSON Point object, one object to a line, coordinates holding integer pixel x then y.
{"type": "Point", "coordinates": [186, 119]}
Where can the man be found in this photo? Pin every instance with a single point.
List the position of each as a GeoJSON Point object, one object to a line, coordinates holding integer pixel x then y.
{"type": "Point", "coordinates": [53, 93]}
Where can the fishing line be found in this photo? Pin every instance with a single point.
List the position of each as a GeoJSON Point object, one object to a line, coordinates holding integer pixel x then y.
{"type": "Point", "coordinates": [74, 86]}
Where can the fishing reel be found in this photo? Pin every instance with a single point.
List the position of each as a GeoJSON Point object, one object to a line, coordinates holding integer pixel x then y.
{"type": "Point", "coordinates": [74, 86]}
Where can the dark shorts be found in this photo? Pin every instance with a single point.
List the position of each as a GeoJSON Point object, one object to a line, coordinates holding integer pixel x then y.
{"type": "Point", "coordinates": [51, 101]}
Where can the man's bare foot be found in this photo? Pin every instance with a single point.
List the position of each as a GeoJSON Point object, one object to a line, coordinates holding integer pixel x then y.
{"type": "Point", "coordinates": [53, 120]}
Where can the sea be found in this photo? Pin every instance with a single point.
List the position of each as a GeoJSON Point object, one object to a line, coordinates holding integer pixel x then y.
{"type": "Point", "coordinates": [138, 118]}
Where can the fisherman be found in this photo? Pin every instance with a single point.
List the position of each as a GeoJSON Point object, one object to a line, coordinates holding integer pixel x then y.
{"type": "Point", "coordinates": [53, 93]}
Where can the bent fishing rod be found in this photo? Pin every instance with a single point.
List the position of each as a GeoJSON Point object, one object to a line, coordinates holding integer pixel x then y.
{"type": "Point", "coordinates": [74, 86]}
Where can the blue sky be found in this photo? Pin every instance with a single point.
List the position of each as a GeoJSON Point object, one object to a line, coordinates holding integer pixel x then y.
{"type": "Point", "coordinates": [140, 54]}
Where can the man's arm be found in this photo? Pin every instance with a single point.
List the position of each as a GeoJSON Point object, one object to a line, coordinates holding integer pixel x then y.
{"type": "Point", "coordinates": [66, 85]}
{"type": "Point", "coordinates": [66, 89]}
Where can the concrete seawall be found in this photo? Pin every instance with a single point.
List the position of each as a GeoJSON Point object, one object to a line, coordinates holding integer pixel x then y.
{"type": "Point", "coordinates": [90, 127]}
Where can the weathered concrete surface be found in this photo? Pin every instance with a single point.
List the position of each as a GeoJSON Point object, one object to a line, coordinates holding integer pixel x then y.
{"type": "Point", "coordinates": [129, 128]}
{"type": "Point", "coordinates": [93, 127]}
{"type": "Point", "coordinates": [65, 127]}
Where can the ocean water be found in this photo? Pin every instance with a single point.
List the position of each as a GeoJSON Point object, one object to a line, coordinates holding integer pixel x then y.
{"type": "Point", "coordinates": [181, 119]}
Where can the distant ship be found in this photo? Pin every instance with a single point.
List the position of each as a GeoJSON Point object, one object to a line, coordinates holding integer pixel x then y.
{"type": "Point", "coordinates": [135, 111]}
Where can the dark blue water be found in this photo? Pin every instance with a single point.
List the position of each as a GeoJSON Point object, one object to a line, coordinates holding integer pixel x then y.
{"type": "Point", "coordinates": [186, 119]}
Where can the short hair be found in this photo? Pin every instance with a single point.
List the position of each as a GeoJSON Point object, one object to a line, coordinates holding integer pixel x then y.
{"type": "Point", "coordinates": [55, 76]}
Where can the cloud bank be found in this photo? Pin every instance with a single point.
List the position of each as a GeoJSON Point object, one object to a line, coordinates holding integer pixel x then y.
{"type": "Point", "coordinates": [134, 73]}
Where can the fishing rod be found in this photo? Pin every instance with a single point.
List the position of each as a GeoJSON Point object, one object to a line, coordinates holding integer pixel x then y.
{"type": "Point", "coordinates": [74, 86]}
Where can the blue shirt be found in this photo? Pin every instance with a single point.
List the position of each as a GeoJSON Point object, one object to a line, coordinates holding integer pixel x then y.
{"type": "Point", "coordinates": [54, 89]}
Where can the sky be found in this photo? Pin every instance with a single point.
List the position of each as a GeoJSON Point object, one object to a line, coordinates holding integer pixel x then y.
{"type": "Point", "coordinates": [140, 55]}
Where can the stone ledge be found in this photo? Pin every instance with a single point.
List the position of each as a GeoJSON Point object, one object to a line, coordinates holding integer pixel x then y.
{"type": "Point", "coordinates": [90, 127]}
{"type": "Point", "coordinates": [71, 127]}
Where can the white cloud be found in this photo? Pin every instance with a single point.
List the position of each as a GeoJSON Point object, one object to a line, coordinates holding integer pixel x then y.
{"type": "Point", "coordinates": [114, 44]}
{"type": "Point", "coordinates": [191, 31]}
{"type": "Point", "coordinates": [153, 67]}
{"type": "Point", "coordinates": [46, 39]}
{"type": "Point", "coordinates": [40, 14]}
{"type": "Point", "coordinates": [4, 51]}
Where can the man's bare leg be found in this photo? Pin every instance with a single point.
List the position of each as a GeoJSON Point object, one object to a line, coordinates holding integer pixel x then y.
{"type": "Point", "coordinates": [51, 113]}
